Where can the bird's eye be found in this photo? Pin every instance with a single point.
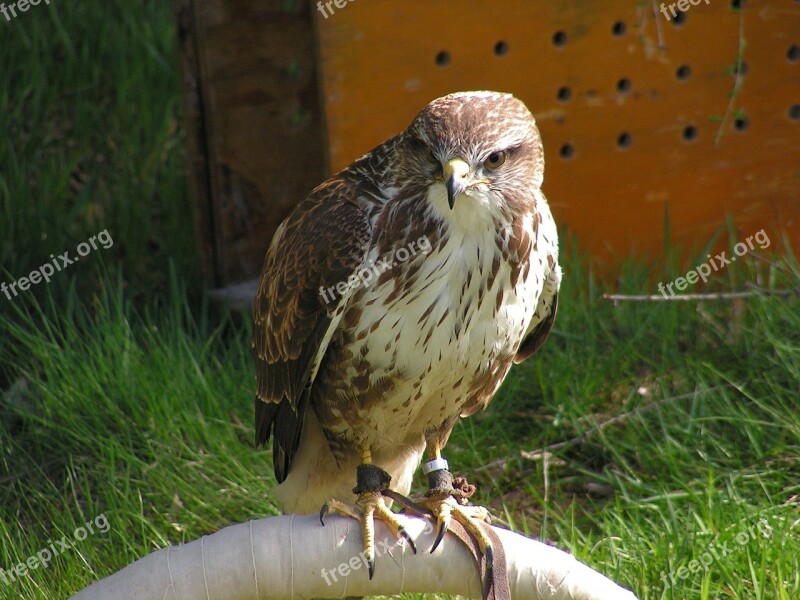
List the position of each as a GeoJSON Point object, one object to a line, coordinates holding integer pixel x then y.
{"type": "Point", "coordinates": [495, 160]}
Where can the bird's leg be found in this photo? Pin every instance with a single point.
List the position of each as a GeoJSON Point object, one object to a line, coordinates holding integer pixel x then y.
{"type": "Point", "coordinates": [371, 480]}
{"type": "Point", "coordinates": [447, 502]}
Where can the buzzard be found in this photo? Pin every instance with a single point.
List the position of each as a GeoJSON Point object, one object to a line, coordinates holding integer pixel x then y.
{"type": "Point", "coordinates": [394, 300]}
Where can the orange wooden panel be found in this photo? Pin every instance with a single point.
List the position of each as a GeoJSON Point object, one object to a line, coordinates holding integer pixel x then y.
{"type": "Point", "coordinates": [383, 60]}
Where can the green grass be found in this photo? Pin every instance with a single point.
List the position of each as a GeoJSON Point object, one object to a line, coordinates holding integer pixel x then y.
{"type": "Point", "coordinates": [671, 428]}
{"type": "Point", "coordinates": [145, 418]}
{"type": "Point", "coordinates": [90, 110]}
{"type": "Point", "coordinates": [130, 416]}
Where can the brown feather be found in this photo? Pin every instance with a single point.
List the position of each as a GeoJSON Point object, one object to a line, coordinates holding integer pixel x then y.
{"type": "Point", "coordinates": [397, 361]}
{"type": "Point", "coordinates": [322, 243]}
{"type": "Point", "coordinates": [531, 344]}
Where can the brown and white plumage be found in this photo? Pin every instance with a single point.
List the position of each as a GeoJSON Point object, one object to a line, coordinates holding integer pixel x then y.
{"type": "Point", "coordinates": [393, 363]}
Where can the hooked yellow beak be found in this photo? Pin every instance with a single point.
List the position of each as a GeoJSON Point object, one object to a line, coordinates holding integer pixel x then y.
{"type": "Point", "coordinates": [455, 175]}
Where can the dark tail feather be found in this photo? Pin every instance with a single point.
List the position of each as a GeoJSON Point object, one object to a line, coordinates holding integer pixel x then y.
{"type": "Point", "coordinates": [287, 425]}
{"type": "Point", "coordinates": [265, 415]}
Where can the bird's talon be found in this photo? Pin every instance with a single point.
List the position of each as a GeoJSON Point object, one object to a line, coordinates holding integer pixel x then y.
{"type": "Point", "coordinates": [443, 525]}
{"type": "Point", "coordinates": [368, 507]}
{"type": "Point", "coordinates": [371, 567]}
{"type": "Point", "coordinates": [404, 534]}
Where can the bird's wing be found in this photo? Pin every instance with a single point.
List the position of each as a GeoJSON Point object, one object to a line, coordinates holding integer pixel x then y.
{"type": "Point", "coordinates": [297, 309]}
{"type": "Point", "coordinates": [546, 314]}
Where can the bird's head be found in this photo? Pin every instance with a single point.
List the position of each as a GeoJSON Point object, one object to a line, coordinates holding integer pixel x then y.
{"type": "Point", "coordinates": [483, 144]}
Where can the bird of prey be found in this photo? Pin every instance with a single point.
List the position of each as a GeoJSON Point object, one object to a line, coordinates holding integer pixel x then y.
{"type": "Point", "coordinates": [394, 300]}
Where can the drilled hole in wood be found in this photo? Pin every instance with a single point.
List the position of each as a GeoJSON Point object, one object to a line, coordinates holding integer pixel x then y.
{"type": "Point", "coordinates": [566, 151]}
{"type": "Point", "coordinates": [689, 133]}
{"type": "Point", "coordinates": [564, 93]}
{"type": "Point", "coordinates": [683, 72]}
{"type": "Point", "coordinates": [623, 85]}
{"type": "Point", "coordinates": [501, 48]}
{"type": "Point", "coordinates": [624, 140]}
{"type": "Point", "coordinates": [741, 68]}
{"type": "Point", "coordinates": [559, 39]}
{"type": "Point", "coordinates": [618, 29]}
{"type": "Point", "coordinates": [443, 58]}
{"type": "Point", "coordinates": [793, 53]}
{"type": "Point", "coordinates": [679, 19]}
{"type": "Point", "coordinates": [794, 112]}
{"type": "Point", "coordinates": [741, 123]}
{"type": "Point", "coordinates": [738, 4]}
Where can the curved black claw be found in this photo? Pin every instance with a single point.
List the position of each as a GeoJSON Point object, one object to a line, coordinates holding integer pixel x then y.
{"type": "Point", "coordinates": [408, 539]}
{"type": "Point", "coordinates": [322, 512]}
{"type": "Point", "coordinates": [371, 567]}
{"type": "Point", "coordinates": [439, 535]}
